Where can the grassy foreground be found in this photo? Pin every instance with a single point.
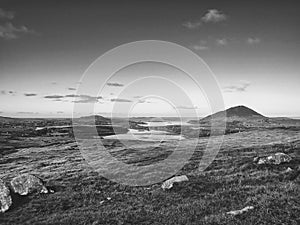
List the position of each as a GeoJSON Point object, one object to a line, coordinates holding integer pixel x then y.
{"type": "Point", "coordinates": [231, 182]}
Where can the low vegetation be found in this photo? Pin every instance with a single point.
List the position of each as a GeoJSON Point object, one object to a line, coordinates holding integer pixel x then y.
{"type": "Point", "coordinates": [233, 181]}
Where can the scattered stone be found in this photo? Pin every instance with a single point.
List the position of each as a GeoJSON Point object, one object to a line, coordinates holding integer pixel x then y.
{"type": "Point", "coordinates": [26, 184]}
{"type": "Point", "coordinates": [255, 160]}
{"type": "Point", "coordinates": [289, 169]}
{"type": "Point", "coordinates": [168, 184]}
{"type": "Point", "coordinates": [108, 198]}
{"type": "Point", "coordinates": [5, 198]}
{"type": "Point", "coordinates": [238, 212]}
{"type": "Point", "coordinates": [275, 159]}
{"type": "Point", "coordinates": [67, 147]}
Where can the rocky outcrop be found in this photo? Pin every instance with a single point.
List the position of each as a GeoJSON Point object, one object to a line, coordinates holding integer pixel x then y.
{"type": "Point", "coordinates": [5, 198]}
{"type": "Point", "coordinates": [168, 184]}
{"type": "Point", "coordinates": [274, 159]}
{"type": "Point", "coordinates": [26, 184]}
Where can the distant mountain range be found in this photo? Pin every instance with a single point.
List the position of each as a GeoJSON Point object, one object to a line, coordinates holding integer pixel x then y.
{"type": "Point", "coordinates": [234, 113]}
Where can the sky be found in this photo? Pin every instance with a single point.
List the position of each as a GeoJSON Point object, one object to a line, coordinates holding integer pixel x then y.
{"type": "Point", "coordinates": [252, 48]}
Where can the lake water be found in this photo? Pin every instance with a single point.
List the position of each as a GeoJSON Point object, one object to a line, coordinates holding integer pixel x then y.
{"type": "Point", "coordinates": [152, 135]}
{"type": "Point", "coordinates": [133, 134]}
{"type": "Point", "coordinates": [165, 123]}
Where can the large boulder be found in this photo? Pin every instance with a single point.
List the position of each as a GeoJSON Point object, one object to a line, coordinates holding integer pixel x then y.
{"type": "Point", "coordinates": [5, 198]}
{"type": "Point", "coordinates": [27, 184]}
{"type": "Point", "coordinates": [275, 159]}
{"type": "Point", "coordinates": [168, 184]}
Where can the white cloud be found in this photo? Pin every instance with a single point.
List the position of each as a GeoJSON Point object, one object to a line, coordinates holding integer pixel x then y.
{"type": "Point", "coordinates": [253, 40]}
{"type": "Point", "coordinates": [28, 113]}
{"type": "Point", "coordinates": [192, 25]}
{"type": "Point", "coordinates": [8, 31]}
{"type": "Point", "coordinates": [214, 16]}
{"type": "Point", "coordinates": [4, 14]}
{"type": "Point", "coordinates": [86, 98]}
{"type": "Point", "coordinates": [222, 42]}
{"type": "Point", "coordinates": [239, 87]}
{"type": "Point", "coordinates": [201, 46]}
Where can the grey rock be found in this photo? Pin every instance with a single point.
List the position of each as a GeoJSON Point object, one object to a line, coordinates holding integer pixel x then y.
{"type": "Point", "coordinates": [289, 169]}
{"type": "Point", "coordinates": [240, 211]}
{"type": "Point", "coordinates": [27, 184]}
{"type": "Point", "coordinates": [168, 184]}
{"type": "Point", "coordinates": [5, 198]}
{"type": "Point", "coordinates": [275, 159]}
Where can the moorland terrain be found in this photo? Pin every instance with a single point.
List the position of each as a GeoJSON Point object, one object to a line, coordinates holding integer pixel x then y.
{"type": "Point", "coordinates": [47, 148]}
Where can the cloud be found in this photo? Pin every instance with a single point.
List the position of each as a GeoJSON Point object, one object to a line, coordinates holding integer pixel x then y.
{"type": "Point", "coordinates": [120, 100]}
{"type": "Point", "coordinates": [222, 42]}
{"type": "Point", "coordinates": [3, 92]}
{"type": "Point", "coordinates": [4, 14]}
{"type": "Point", "coordinates": [72, 96]}
{"type": "Point", "coordinates": [9, 32]}
{"type": "Point", "coordinates": [54, 96]}
{"type": "Point", "coordinates": [192, 25]}
{"type": "Point", "coordinates": [253, 40]}
{"type": "Point", "coordinates": [71, 89]}
{"type": "Point", "coordinates": [140, 101]}
{"type": "Point", "coordinates": [79, 98]}
{"type": "Point", "coordinates": [86, 98]}
{"type": "Point", "coordinates": [187, 107]}
{"type": "Point", "coordinates": [214, 16]}
{"type": "Point", "coordinates": [240, 87]}
{"type": "Point", "coordinates": [30, 94]}
{"type": "Point", "coordinates": [115, 84]}
{"type": "Point", "coordinates": [29, 113]}
{"type": "Point", "coordinates": [201, 46]}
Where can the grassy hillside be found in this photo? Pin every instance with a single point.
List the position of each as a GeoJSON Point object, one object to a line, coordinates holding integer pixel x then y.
{"type": "Point", "coordinates": [231, 182]}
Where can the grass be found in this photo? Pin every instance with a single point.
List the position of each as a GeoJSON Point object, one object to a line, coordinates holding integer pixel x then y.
{"type": "Point", "coordinates": [231, 182]}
